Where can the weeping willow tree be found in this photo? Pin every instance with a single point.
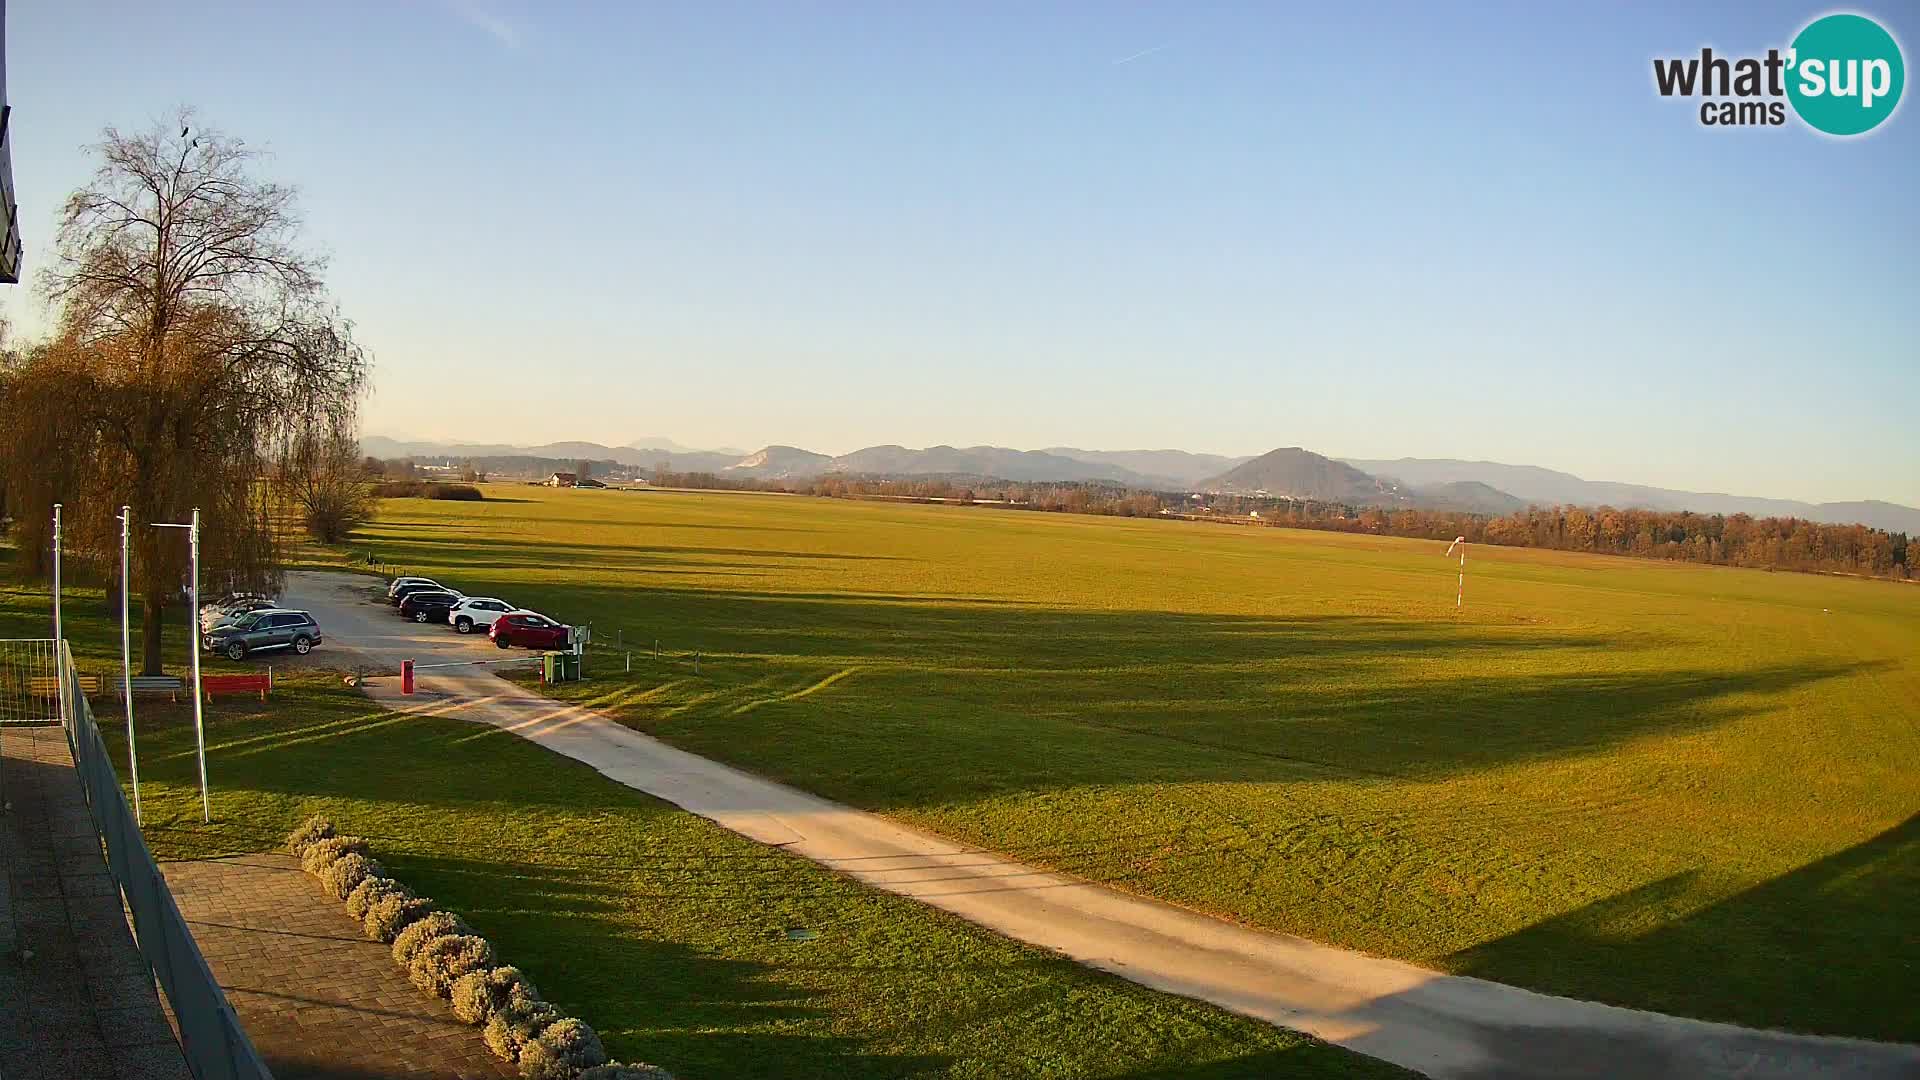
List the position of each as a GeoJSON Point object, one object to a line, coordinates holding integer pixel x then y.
{"type": "Point", "coordinates": [195, 342]}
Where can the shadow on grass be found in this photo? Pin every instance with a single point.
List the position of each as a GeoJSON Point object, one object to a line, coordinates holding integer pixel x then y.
{"type": "Point", "coordinates": [650, 999]}
{"type": "Point", "coordinates": [1835, 938]}
{"type": "Point", "coordinates": [998, 697]}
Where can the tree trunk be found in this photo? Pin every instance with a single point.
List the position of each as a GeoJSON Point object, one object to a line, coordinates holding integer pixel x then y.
{"type": "Point", "coordinates": [153, 621]}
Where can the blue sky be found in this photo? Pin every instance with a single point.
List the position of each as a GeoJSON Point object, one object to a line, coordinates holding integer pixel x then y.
{"type": "Point", "coordinates": [1375, 231]}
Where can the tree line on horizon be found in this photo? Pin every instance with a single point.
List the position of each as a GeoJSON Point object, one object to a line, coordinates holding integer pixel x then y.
{"type": "Point", "coordinates": [1768, 543]}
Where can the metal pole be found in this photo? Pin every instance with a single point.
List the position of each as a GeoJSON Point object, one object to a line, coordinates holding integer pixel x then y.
{"type": "Point", "coordinates": [56, 573]}
{"type": "Point", "coordinates": [126, 659]}
{"type": "Point", "coordinates": [193, 649]}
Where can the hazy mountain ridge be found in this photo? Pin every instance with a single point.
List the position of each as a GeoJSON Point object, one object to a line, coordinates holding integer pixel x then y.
{"type": "Point", "coordinates": [631, 456]}
{"type": "Point", "coordinates": [995, 461]}
{"type": "Point", "coordinates": [1437, 483]}
{"type": "Point", "coordinates": [1301, 474]}
{"type": "Point", "coordinates": [780, 463]}
{"type": "Point", "coordinates": [1548, 487]}
{"type": "Point", "coordinates": [1184, 468]}
{"type": "Point", "coordinates": [1471, 496]}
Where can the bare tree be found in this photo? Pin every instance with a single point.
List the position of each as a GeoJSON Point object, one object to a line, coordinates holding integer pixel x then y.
{"type": "Point", "coordinates": [195, 343]}
{"type": "Point", "coordinates": [321, 474]}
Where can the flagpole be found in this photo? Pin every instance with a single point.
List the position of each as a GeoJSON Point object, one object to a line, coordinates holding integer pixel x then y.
{"type": "Point", "coordinates": [193, 647]}
{"type": "Point", "coordinates": [1460, 593]}
{"type": "Point", "coordinates": [126, 660]}
{"type": "Point", "coordinates": [57, 629]}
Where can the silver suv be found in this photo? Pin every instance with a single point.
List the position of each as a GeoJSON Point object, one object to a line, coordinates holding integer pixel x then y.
{"type": "Point", "coordinates": [275, 628]}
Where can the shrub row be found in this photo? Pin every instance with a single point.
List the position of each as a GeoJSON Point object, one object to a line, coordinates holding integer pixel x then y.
{"type": "Point", "coordinates": [426, 489]}
{"type": "Point", "coordinates": [442, 955]}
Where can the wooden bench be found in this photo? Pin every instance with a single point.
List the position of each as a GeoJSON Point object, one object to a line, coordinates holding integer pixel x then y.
{"type": "Point", "coordinates": [260, 683]}
{"type": "Point", "coordinates": [49, 686]}
{"type": "Point", "coordinates": [169, 685]}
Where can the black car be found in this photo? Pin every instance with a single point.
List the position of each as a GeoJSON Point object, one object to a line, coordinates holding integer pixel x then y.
{"type": "Point", "coordinates": [401, 592]}
{"type": "Point", "coordinates": [428, 605]}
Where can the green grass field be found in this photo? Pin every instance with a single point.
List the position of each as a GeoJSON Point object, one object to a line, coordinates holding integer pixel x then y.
{"type": "Point", "coordinates": [666, 932]}
{"type": "Point", "coordinates": [1673, 787]}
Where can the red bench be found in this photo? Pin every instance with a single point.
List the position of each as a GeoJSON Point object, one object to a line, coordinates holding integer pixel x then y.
{"type": "Point", "coordinates": [237, 684]}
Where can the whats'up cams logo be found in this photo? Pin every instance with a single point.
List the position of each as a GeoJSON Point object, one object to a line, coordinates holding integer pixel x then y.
{"type": "Point", "coordinates": [1842, 75]}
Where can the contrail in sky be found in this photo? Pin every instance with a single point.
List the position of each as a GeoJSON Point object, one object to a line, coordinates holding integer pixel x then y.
{"type": "Point", "coordinates": [1138, 55]}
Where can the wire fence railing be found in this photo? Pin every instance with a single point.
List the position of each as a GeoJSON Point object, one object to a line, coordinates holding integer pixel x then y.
{"type": "Point", "coordinates": [29, 681]}
{"type": "Point", "coordinates": [215, 1045]}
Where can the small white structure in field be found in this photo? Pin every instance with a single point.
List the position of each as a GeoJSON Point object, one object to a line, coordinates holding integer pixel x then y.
{"type": "Point", "coordinates": [1460, 597]}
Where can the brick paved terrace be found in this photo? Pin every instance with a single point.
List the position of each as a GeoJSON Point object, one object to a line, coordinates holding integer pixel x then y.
{"type": "Point", "coordinates": [76, 998]}
{"type": "Point", "coordinates": [320, 1001]}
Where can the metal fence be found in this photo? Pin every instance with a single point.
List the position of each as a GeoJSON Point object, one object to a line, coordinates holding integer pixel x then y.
{"type": "Point", "coordinates": [216, 1046]}
{"type": "Point", "coordinates": [29, 682]}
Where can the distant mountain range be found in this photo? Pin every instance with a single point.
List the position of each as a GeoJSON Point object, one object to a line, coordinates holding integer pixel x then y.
{"type": "Point", "coordinates": [1535, 485]}
{"type": "Point", "coordinates": [1484, 487]}
{"type": "Point", "coordinates": [636, 457]}
{"type": "Point", "coordinates": [1301, 474]}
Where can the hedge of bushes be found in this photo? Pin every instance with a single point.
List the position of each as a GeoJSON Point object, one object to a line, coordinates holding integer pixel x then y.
{"type": "Point", "coordinates": [443, 956]}
{"type": "Point", "coordinates": [426, 489]}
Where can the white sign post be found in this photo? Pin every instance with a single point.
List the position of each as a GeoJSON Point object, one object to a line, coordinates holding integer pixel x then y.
{"type": "Point", "coordinates": [126, 659]}
{"type": "Point", "coordinates": [193, 646]}
{"type": "Point", "coordinates": [56, 577]}
{"type": "Point", "coordinates": [1460, 597]}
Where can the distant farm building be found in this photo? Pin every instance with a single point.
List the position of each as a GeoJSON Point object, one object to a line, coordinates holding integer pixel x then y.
{"type": "Point", "coordinates": [563, 479]}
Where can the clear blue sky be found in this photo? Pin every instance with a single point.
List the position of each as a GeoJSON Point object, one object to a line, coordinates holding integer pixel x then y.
{"type": "Point", "coordinates": [1370, 230]}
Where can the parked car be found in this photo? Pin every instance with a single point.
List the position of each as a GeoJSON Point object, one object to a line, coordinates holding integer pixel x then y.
{"type": "Point", "coordinates": [528, 630]}
{"type": "Point", "coordinates": [232, 610]}
{"type": "Point", "coordinates": [275, 628]}
{"type": "Point", "coordinates": [419, 585]}
{"type": "Point", "coordinates": [428, 605]}
{"type": "Point", "coordinates": [478, 611]}
{"type": "Point", "coordinates": [394, 585]}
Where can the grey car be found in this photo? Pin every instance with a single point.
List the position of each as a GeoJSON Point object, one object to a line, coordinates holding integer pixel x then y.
{"type": "Point", "coordinates": [262, 631]}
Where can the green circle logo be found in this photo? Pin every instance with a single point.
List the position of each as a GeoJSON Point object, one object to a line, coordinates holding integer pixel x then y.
{"type": "Point", "coordinates": [1845, 74]}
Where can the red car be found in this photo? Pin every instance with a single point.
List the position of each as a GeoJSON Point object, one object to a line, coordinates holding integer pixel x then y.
{"type": "Point", "coordinates": [529, 630]}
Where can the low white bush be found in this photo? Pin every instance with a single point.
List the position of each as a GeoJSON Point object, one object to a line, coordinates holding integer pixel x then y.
{"type": "Point", "coordinates": [392, 913]}
{"type": "Point", "coordinates": [561, 1050]}
{"type": "Point", "coordinates": [478, 995]}
{"type": "Point", "coordinates": [322, 853]}
{"type": "Point", "coordinates": [373, 888]}
{"type": "Point", "coordinates": [439, 962]}
{"type": "Point", "coordinates": [509, 1032]}
{"type": "Point", "coordinates": [614, 1070]}
{"type": "Point", "coordinates": [437, 924]}
{"type": "Point", "coordinates": [344, 874]}
{"type": "Point", "coordinates": [317, 827]}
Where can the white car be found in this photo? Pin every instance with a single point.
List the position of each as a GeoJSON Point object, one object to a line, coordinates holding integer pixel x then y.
{"type": "Point", "coordinates": [394, 585]}
{"type": "Point", "coordinates": [477, 612]}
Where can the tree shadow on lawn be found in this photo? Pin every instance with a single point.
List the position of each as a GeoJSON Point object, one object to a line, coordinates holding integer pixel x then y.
{"type": "Point", "coordinates": [812, 1013]}
{"type": "Point", "coordinates": [492, 564]}
{"type": "Point", "coordinates": [469, 550]}
{"type": "Point", "coordinates": [997, 698]}
{"type": "Point", "coordinates": [1829, 947]}
{"type": "Point", "coordinates": [372, 531]}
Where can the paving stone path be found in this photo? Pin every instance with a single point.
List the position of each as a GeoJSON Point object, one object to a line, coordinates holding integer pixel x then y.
{"type": "Point", "coordinates": [320, 1001]}
{"type": "Point", "coordinates": [76, 998]}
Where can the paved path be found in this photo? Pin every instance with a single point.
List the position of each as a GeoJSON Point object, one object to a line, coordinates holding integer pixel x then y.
{"type": "Point", "coordinates": [82, 1004]}
{"type": "Point", "coordinates": [320, 1001]}
{"type": "Point", "coordinates": [1442, 1025]}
